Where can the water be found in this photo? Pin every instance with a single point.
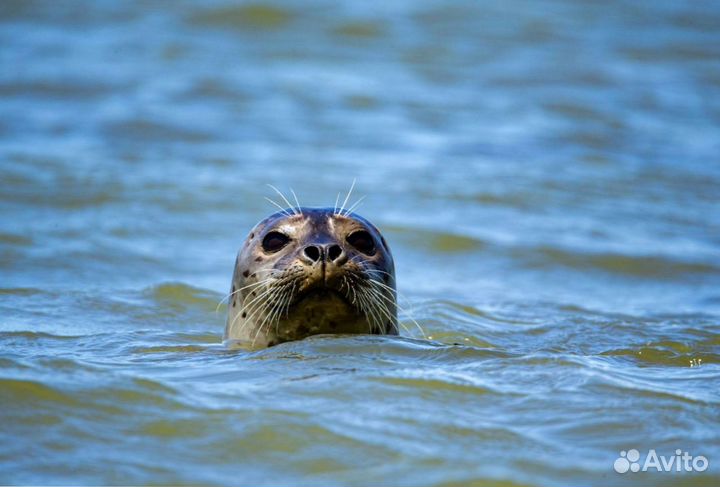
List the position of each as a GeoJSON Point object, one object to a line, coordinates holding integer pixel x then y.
{"type": "Point", "coordinates": [545, 172]}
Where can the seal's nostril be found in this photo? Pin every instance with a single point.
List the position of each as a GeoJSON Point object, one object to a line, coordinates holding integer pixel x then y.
{"type": "Point", "coordinates": [334, 252]}
{"type": "Point", "coordinates": [312, 252]}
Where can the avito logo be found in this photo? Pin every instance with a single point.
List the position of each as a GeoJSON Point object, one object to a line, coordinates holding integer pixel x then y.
{"type": "Point", "coordinates": [629, 461]}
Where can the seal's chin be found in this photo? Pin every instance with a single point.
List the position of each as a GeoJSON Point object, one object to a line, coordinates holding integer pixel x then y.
{"type": "Point", "coordinates": [320, 311]}
{"type": "Point", "coordinates": [320, 296]}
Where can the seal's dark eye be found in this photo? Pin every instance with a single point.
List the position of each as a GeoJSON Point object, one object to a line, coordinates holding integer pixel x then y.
{"type": "Point", "coordinates": [362, 241]}
{"type": "Point", "coordinates": [274, 241]}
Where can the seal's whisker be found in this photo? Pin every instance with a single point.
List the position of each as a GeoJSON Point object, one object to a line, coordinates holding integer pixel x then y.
{"type": "Point", "coordinates": [347, 197]}
{"type": "Point", "coordinates": [229, 295]}
{"type": "Point", "coordinates": [265, 307]}
{"type": "Point", "coordinates": [365, 309]}
{"type": "Point", "coordinates": [358, 259]}
{"type": "Point", "coordinates": [385, 286]}
{"type": "Point", "coordinates": [384, 307]}
{"type": "Point", "coordinates": [262, 281]}
{"type": "Point", "coordinates": [368, 304]}
{"type": "Point", "coordinates": [392, 289]}
{"type": "Point", "coordinates": [231, 326]}
{"type": "Point", "coordinates": [262, 307]}
{"type": "Point", "coordinates": [370, 269]}
{"type": "Point", "coordinates": [257, 332]}
{"type": "Point", "coordinates": [284, 199]}
{"type": "Point", "coordinates": [268, 314]}
{"type": "Point", "coordinates": [285, 307]}
{"type": "Point", "coordinates": [353, 288]}
{"type": "Point", "coordinates": [371, 306]}
{"type": "Point", "coordinates": [266, 294]}
{"type": "Point", "coordinates": [356, 205]}
{"type": "Point", "coordinates": [401, 308]}
{"type": "Point", "coordinates": [354, 293]}
{"type": "Point", "coordinates": [275, 300]}
{"type": "Point", "coordinates": [283, 210]}
{"type": "Point", "coordinates": [246, 309]}
{"type": "Point", "coordinates": [335, 208]}
{"type": "Point", "coordinates": [377, 295]}
{"type": "Point", "coordinates": [279, 303]}
{"type": "Point", "coordinates": [267, 274]}
{"type": "Point", "coordinates": [253, 304]}
{"type": "Point", "coordinates": [269, 282]}
{"type": "Point", "coordinates": [356, 299]}
{"type": "Point", "coordinates": [299, 208]}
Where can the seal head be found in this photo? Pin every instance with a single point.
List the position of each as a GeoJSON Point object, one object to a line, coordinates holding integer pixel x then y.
{"type": "Point", "coordinates": [309, 271]}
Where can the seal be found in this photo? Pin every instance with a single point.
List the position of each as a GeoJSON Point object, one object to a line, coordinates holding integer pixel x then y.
{"type": "Point", "coordinates": [308, 271]}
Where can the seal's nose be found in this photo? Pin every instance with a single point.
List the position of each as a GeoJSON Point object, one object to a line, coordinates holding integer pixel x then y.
{"type": "Point", "coordinates": [333, 253]}
{"type": "Point", "coordinates": [326, 253]}
{"type": "Point", "coordinates": [313, 252]}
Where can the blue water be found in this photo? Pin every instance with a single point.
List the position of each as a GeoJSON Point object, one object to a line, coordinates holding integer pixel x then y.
{"type": "Point", "coordinates": [546, 174]}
